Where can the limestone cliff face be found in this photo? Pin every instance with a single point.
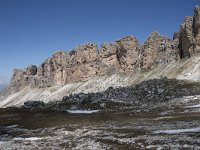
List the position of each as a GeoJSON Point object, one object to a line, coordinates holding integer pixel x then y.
{"type": "Point", "coordinates": [158, 50]}
{"type": "Point", "coordinates": [108, 61]}
{"type": "Point", "coordinates": [80, 64]}
{"type": "Point", "coordinates": [126, 56]}
{"type": "Point", "coordinates": [84, 62]}
{"type": "Point", "coordinates": [22, 78]}
{"type": "Point", "coordinates": [120, 56]}
{"type": "Point", "coordinates": [189, 35]}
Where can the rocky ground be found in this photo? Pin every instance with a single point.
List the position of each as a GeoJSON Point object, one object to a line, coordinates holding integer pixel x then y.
{"type": "Point", "coordinates": [165, 127]}
{"type": "Point", "coordinates": [155, 114]}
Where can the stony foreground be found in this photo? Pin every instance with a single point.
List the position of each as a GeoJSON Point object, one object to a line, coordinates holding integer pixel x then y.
{"type": "Point", "coordinates": [168, 126]}
{"type": "Point", "coordinates": [155, 114]}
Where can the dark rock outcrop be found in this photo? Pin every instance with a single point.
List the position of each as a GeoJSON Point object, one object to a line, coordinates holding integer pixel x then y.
{"type": "Point", "coordinates": [34, 104]}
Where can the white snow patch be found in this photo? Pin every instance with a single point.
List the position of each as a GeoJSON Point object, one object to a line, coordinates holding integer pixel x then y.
{"type": "Point", "coordinates": [27, 139]}
{"type": "Point", "coordinates": [166, 117]}
{"type": "Point", "coordinates": [193, 106]}
{"type": "Point", "coordinates": [191, 130]}
{"type": "Point", "coordinates": [154, 146]}
{"type": "Point", "coordinates": [12, 126]}
{"type": "Point", "coordinates": [82, 111]}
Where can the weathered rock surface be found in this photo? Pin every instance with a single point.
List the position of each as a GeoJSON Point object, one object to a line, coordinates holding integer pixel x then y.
{"type": "Point", "coordinates": [186, 69]}
{"type": "Point", "coordinates": [129, 54]}
{"type": "Point", "coordinates": [158, 50]}
{"type": "Point", "coordinates": [189, 35]}
{"type": "Point", "coordinates": [80, 64]}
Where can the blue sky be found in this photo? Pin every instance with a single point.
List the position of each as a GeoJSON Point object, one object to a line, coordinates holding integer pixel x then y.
{"type": "Point", "coordinates": [32, 30]}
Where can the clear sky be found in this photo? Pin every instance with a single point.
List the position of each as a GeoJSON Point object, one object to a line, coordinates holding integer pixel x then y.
{"type": "Point", "coordinates": [32, 30]}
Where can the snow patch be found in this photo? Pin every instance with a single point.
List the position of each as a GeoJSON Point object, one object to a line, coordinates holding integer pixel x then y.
{"type": "Point", "coordinates": [12, 126]}
{"type": "Point", "coordinates": [27, 139]}
{"type": "Point", "coordinates": [82, 111]}
{"type": "Point", "coordinates": [154, 147]}
{"type": "Point", "coordinates": [193, 106]}
{"type": "Point", "coordinates": [166, 117]}
{"type": "Point", "coordinates": [191, 130]}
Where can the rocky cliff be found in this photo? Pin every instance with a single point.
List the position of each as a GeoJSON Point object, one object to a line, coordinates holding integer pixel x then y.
{"type": "Point", "coordinates": [126, 56]}
{"type": "Point", "coordinates": [189, 35]}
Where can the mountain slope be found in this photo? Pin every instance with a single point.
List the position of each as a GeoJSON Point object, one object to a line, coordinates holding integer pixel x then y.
{"type": "Point", "coordinates": [185, 69]}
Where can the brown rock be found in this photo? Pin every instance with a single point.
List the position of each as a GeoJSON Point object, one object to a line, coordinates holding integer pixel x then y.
{"type": "Point", "coordinates": [189, 41]}
{"type": "Point", "coordinates": [108, 54]}
{"type": "Point", "coordinates": [128, 54]}
{"type": "Point", "coordinates": [19, 80]}
{"type": "Point", "coordinates": [158, 50]}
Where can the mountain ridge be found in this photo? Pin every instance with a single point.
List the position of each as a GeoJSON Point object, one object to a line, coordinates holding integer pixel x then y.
{"type": "Point", "coordinates": [124, 56]}
{"type": "Point", "coordinates": [184, 69]}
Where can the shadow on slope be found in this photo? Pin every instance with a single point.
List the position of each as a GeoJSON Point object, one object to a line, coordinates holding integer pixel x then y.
{"type": "Point", "coordinates": [147, 93]}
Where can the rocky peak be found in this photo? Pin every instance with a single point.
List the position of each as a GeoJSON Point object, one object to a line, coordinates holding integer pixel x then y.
{"type": "Point", "coordinates": [189, 38]}
{"type": "Point", "coordinates": [186, 43]}
{"type": "Point", "coordinates": [196, 21]}
{"type": "Point", "coordinates": [157, 50]}
{"type": "Point", "coordinates": [153, 35]}
{"type": "Point", "coordinates": [108, 54]}
{"type": "Point", "coordinates": [128, 42]}
{"type": "Point", "coordinates": [31, 70]}
{"type": "Point", "coordinates": [85, 53]}
{"type": "Point", "coordinates": [128, 54]}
